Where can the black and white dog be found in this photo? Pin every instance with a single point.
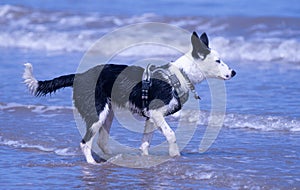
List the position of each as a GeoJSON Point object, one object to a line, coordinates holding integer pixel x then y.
{"type": "Point", "coordinates": [97, 90]}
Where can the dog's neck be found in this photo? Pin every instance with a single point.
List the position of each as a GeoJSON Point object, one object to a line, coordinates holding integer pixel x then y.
{"type": "Point", "coordinates": [187, 64]}
{"type": "Point", "coordinates": [185, 82]}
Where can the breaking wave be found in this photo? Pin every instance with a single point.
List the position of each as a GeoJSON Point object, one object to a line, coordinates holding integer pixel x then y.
{"type": "Point", "coordinates": [38, 109]}
{"type": "Point", "coordinates": [238, 38]}
{"type": "Point", "coordinates": [246, 121]}
{"type": "Point", "coordinates": [22, 145]}
{"type": "Point", "coordinates": [232, 120]}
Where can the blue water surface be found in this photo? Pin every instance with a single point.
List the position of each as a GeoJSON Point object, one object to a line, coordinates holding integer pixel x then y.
{"type": "Point", "coordinates": [257, 148]}
{"type": "Point", "coordinates": [218, 8]}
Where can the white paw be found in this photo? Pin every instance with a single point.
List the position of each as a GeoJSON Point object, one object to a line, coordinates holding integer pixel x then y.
{"type": "Point", "coordinates": [91, 161]}
{"type": "Point", "coordinates": [86, 150]}
{"type": "Point", "coordinates": [144, 148]}
{"type": "Point", "coordinates": [174, 150]}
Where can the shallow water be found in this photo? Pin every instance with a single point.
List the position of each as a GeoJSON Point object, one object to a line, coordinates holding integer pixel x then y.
{"type": "Point", "coordinates": [258, 146]}
{"type": "Point", "coordinates": [39, 153]}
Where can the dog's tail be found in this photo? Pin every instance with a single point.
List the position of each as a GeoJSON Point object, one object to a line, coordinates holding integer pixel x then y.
{"type": "Point", "coordinates": [41, 88]}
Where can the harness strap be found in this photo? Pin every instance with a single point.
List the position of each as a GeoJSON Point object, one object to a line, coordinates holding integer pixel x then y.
{"type": "Point", "coordinates": [173, 80]}
{"type": "Point", "coordinates": [191, 86]}
{"type": "Point", "coordinates": [146, 84]}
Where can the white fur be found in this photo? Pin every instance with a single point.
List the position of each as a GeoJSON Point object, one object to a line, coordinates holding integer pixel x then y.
{"type": "Point", "coordinates": [29, 79]}
{"type": "Point", "coordinates": [87, 151]}
{"type": "Point", "coordinates": [198, 69]}
{"type": "Point", "coordinates": [159, 120]}
{"type": "Point", "coordinates": [87, 147]}
{"type": "Point", "coordinates": [173, 103]}
{"type": "Point", "coordinates": [145, 146]}
{"type": "Point", "coordinates": [102, 117]}
{"type": "Point", "coordinates": [188, 65]}
{"type": "Point", "coordinates": [147, 136]}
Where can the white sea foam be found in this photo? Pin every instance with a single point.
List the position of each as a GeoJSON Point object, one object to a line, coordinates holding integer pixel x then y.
{"type": "Point", "coordinates": [19, 144]}
{"type": "Point", "coordinates": [234, 121]}
{"type": "Point", "coordinates": [262, 50]}
{"type": "Point", "coordinates": [38, 109]}
{"type": "Point", "coordinates": [22, 145]}
{"type": "Point", "coordinates": [257, 40]}
{"type": "Point", "coordinates": [262, 123]}
{"type": "Point", "coordinates": [246, 121]}
{"type": "Point", "coordinates": [64, 152]}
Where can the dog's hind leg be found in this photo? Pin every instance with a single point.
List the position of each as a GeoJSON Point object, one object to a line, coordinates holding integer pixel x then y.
{"type": "Point", "coordinates": [104, 133]}
{"type": "Point", "coordinates": [160, 122]}
{"type": "Point", "coordinates": [147, 136]}
{"type": "Point", "coordinates": [87, 142]}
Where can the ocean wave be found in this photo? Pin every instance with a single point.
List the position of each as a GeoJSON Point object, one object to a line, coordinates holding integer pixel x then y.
{"type": "Point", "coordinates": [37, 109]}
{"type": "Point", "coordinates": [259, 50]}
{"type": "Point", "coordinates": [232, 120]}
{"type": "Point", "coordinates": [264, 123]}
{"type": "Point", "coordinates": [56, 31]}
{"type": "Point", "coordinates": [22, 145]}
{"type": "Point", "coordinates": [236, 38]}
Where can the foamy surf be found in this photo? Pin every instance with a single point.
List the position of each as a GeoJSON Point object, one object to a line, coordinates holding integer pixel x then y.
{"type": "Point", "coordinates": [60, 32]}
{"type": "Point", "coordinates": [234, 121]}
{"type": "Point", "coordinates": [38, 109]}
{"type": "Point", "coordinates": [245, 121]}
{"type": "Point", "coordinates": [36, 147]}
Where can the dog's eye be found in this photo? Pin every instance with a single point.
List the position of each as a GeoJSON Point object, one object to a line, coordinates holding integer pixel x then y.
{"type": "Point", "coordinates": [218, 61]}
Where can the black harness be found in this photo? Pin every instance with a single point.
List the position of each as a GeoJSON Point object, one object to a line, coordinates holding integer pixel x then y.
{"type": "Point", "coordinates": [173, 80]}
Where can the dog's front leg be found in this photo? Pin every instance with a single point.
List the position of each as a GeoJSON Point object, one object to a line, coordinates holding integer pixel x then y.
{"type": "Point", "coordinates": [147, 136]}
{"type": "Point", "coordinates": [160, 122]}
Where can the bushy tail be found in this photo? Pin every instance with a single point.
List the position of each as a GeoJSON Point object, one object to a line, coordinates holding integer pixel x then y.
{"type": "Point", "coordinates": [41, 88]}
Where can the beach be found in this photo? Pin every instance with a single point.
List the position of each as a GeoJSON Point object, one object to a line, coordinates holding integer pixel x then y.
{"type": "Point", "coordinates": [258, 146]}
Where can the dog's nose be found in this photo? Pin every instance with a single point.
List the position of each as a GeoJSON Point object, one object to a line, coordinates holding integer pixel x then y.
{"type": "Point", "coordinates": [233, 73]}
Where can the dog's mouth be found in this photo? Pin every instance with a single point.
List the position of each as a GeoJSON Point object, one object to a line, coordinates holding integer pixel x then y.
{"type": "Point", "coordinates": [228, 76]}
{"type": "Point", "coordinates": [223, 78]}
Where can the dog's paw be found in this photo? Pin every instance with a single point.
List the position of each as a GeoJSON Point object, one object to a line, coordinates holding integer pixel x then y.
{"type": "Point", "coordinates": [174, 150]}
{"type": "Point", "coordinates": [91, 161]}
{"type": "Point", "coordinates": [144, 148]}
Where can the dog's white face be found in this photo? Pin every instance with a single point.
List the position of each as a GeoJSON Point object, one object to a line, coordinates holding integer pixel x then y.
{"type": "Point", "coordinates": [208, 61]}
{"type": "Point", "coordinates": [202, 62]}
{"type": "Point", "coordinates": [213, 67]}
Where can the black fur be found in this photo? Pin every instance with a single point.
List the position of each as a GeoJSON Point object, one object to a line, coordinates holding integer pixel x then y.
{"type": "Point", "coordinates": [200, 45]}
{"type": "Point", "coordinates": [120, 84]}
{"type": "Point", "coordinates": [204, 39]}
{"type": "Point", "coordinates": [50, 86]}
{"type": "Point", "coordinates": [104, 84]}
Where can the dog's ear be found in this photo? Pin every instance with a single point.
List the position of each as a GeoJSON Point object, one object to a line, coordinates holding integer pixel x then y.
{"type": "Point", "coordinates": [204, 39]}
{"type": "Point", "coordinates": [195, 34]}
{"type": "Point", "coordinates": [200, 46]}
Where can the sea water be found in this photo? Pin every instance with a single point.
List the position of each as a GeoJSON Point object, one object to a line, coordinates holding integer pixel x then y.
{"type": "Point", "coordinates": [257, 148]}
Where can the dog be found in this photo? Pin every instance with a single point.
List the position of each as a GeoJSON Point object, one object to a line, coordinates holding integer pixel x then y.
{"type": "Point", "coordinates": [130, 87]}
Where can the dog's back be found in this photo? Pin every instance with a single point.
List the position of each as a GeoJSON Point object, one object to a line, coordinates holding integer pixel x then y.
{"type": "Point", "coordinates": [101, 85]}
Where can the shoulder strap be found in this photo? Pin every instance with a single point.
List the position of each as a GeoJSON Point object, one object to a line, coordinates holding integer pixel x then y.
{"type": "Point", "coordinates": [171, 75]}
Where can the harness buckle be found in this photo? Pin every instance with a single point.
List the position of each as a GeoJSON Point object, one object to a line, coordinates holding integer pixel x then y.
{"type": "Point", "coordinates": [145, 89]}
{"type": "Point", "coordinates": [174, 81]}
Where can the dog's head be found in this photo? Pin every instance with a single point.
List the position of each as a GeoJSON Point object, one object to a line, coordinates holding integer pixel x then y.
{"type": "Point", "coordinates": [207, 60]}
